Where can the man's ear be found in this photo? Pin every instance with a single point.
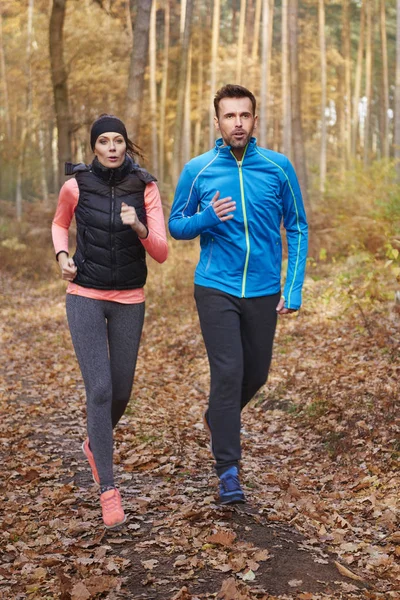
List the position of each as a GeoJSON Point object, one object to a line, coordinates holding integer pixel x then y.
{"type": "Point", "coordinates": [255, 121]}
{"type": "Point", "coordinates": [216, 124]}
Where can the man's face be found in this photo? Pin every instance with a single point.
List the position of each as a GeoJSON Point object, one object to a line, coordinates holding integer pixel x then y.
{"type": "Point", "coordinates": [235, 121]}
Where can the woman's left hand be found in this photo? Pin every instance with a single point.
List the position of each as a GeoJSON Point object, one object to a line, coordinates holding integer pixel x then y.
{"type": "Point", "coordinates": [129, 217]}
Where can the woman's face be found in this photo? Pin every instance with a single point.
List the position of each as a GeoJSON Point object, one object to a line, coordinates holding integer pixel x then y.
{"type": "Point", "coordinates": [110, 149]}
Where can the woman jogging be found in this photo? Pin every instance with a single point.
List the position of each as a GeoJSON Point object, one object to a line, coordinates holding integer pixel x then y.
{"type": "Point", "coordinates": [119, 217]}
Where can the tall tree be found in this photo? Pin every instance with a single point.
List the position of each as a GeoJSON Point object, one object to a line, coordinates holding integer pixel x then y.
{"type": "Point", "coordinates": [60, 89]}
{"type": "Point", "coordinates": [368, 83]}
{"type": "Point", "coordinates": [3, 72]}
{"type": "Point", "coordinates": [299, 154]}
{"type": "Point", "coordinates": [286, 118]}
{"type": "Point", "coordinates": [322, 49]}
{"type": "Point", "coordinates": [240, 44]}
{"type": "Point", "coordinates": [153, 88]}
{"type": "Point", "coordinates": [357, 82]}
{"type": "Point", "coordinates": [255, 46]}
{"type": "Point", "coordinates": [265, 62]}
{"type": "Point", "coordinates": [183, 72]}
{"type": "Point", "coordinates": [213, 68]}
{"type": "Point", "coordinates": [138, 64]}
{"type": "Point", "coordinates": [27, 113]}
{"type": "Point", "coordinates": [163, 91]}
{"type": "Point", "coordinates": [385, 82]}
{"type": "Point", "coordinates": [346, 49]}
{"type": "Point", "coordinates": [397, 95]}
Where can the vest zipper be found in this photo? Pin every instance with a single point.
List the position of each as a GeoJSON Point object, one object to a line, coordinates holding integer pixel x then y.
{"type": "Point", "coordinates": [246, 225]}
{"type": "Point", "coordinates": [112, 240]}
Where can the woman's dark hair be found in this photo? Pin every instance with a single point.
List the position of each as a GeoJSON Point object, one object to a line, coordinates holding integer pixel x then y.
{"type": "Point", "coordinates": [233, 91]}
{"type": "Point", "coordinates": [106, 122]}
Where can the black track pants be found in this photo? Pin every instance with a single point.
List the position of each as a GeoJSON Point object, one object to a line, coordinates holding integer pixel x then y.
{"type": "Point", "coordinates": [238, 334]}
{"type": "Point", "coordinates": [106, 339]}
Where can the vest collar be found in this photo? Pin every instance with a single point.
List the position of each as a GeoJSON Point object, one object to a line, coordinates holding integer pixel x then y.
{"type": "Point", "coordinates": [109, 175]}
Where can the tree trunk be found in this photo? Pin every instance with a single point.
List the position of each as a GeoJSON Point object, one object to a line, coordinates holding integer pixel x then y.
{"type": "Point", "coordinates": [368, 84]}
{"type": "Point", "coordinates": [346, 45]}
{"type": "Point", "coordinates": [322, 46]}
{"type": "Point", "coordinates": [286, 118]}
{"type": "Point", "coordinates": [27, 115]}
{"type": "Point", "coordinates": [200, 95]}
{"type": "Point", "coordinates": [385, 83]}
{"type": "Point", "coordinates": [163, 93]}
{"type": "Point", "coordinates": [254, 48]}
{"type": "Point", "coordinates": [397, 95]}
{"type": "Point", "coordinates": [213, 68]}
{"type": "Point", "coordinates": [299, 154]}
{"type": "Point", "coordinates": [357, 83]}
{"type": "Point", "coordinates": [186, 113]}
{"type": "Point", "coordinates": [153, 89]}
{"type": "Point", "coordinates": [60, 89]}
{"type": "Point", "coordinates": [239, 55]}
{"type": "Point", "coordinates": [43, 178]}
{"type": "Point", "coordinates": [177, 163]}
{"type": "Point", "coordinates": [137, 66]}
{"type": "Point", "coordinates": [265, 60]}
{"type": "Point", "coordinates": [3, 71]}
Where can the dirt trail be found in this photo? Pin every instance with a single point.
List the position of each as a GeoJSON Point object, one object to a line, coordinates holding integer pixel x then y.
{"type": "Point", "coordinates": [177, 543]}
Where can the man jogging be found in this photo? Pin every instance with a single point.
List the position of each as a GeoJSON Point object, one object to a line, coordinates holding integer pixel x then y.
{"type": "Point", "coordinates": [235, 197]}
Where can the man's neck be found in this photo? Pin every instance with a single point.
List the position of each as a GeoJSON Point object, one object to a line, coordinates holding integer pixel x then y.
{"type": "Point", "coordinates": [238, 153]}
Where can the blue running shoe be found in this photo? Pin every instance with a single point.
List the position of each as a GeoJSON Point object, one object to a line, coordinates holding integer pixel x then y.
{"type": "Point", "coordinates": [230, 491]}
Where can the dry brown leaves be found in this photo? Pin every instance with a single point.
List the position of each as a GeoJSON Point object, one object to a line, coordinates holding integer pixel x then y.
{"type": "Point", "coordinates": [320, 456]}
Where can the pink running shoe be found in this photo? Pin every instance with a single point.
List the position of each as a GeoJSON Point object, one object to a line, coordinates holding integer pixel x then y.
{"type": "Point", "coordinates": [113, 513]}
{"type": "Point", "coordinates": [89, 455]}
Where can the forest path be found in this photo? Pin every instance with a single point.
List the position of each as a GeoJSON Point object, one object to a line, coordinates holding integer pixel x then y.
{"type": "Point", "coordinates": [323, 501]}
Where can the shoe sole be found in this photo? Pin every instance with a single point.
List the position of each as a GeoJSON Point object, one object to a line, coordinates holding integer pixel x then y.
{"type": "Point", "coordinates": [116, 524]}
{"type": "Point", "coordinates": [233, 501]}
{"type": "Point", "coordinates": [83, 450]}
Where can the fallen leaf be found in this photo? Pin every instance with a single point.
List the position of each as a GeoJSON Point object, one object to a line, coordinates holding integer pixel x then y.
{"type": "Point", "coordinates": [346, 572]}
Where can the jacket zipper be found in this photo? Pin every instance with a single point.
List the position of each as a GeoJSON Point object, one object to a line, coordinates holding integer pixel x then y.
{"type": "Point", "coordinates": [246, 226]}
{"type": "Point", "coordinates": [112, 236]}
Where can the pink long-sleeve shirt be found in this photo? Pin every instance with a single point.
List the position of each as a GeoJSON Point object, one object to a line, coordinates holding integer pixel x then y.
{"type": "Point", "coordinates": [155, 243]}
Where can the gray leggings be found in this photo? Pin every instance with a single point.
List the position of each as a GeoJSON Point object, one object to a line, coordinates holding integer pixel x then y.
{"type": "Point", "coordinates": [106, 338]}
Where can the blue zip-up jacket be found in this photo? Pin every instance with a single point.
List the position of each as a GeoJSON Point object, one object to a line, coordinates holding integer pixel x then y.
{"type": "Point", "coordinates": [243, 256]}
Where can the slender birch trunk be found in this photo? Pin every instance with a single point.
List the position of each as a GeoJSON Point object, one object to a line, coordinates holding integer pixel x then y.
{"type": "Point", "coordinates": [239, 56]}
{"type": "Point", "coordinates": [214, 68]}
{"type": "Point", "coordinates": [255, 48]}
{"type": "Point", "coordinates": [265, 62]}
{"type": "Point", "coordinates": [286, 118]}
{"type": "Point", "coordinates": [299, 154]}
{"type": "Point", "coordinates": [357, 83]}
{"type": "Point", "coordinates": [163, 92]}
{"type": "Point", "coordinates": [385, 82]}
{"type": "Point", "coordinates": [3, 71]}
{"type": "Point", "coordinates": [28, 110]}
{"type": "Point", "coordinates": [322, 46]}
{"type": "Point", "coordinates": [397, 95]}
{"type": "Point", "coordinates": [368, 84]}
{"type": "Point", "coordinates": [153, 88]}
{"type": "Point", "coordinates": [186, 115]}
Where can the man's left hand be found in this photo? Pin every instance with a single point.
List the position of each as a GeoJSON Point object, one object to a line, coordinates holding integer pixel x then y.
{"type": "Point", "coordinates": [281, 310]}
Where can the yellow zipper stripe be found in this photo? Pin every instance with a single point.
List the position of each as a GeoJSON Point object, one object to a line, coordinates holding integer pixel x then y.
{"type": "Point", "coordinates": [246, 228]}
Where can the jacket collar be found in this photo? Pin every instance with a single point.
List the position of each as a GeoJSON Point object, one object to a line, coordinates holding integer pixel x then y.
{"type": "Point", "coordinates": [220, 146]}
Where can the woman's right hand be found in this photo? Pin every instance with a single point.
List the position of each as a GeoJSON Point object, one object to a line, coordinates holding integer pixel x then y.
{"type": "Point", "coordinates": [67, 266]}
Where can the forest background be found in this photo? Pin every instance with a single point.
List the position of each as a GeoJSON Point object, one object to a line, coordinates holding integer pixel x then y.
{"type": "Point", "coordinates": [323, 449]}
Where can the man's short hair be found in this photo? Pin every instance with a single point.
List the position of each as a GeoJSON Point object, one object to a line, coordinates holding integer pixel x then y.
{"type": "Point", "coordinates": [233, 91]}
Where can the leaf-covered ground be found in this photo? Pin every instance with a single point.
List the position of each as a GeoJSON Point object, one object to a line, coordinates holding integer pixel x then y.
{"type": "Point", "coordinates": [320, 462]}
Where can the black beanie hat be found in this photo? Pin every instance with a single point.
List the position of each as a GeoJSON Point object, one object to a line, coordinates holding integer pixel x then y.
{"type": "Point", "coordinates": [105, 124]}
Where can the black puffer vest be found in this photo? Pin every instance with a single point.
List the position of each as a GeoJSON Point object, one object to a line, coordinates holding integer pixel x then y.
{"type": "Point", "coordinates": [109, 255]}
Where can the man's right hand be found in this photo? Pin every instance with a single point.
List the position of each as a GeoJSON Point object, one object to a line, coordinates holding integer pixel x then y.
{"type": "Point", "coordinates": [223, 207]}
{"type": "Point", "coordinates": [68, 267]}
